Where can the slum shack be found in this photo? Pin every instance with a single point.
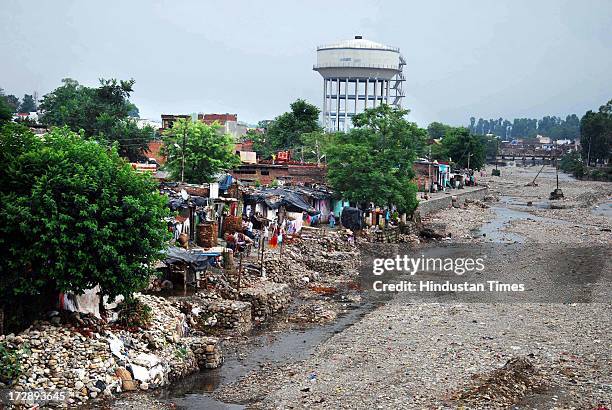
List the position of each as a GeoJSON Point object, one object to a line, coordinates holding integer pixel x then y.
{"type": "Point", "coordinates": [202, 212]}
{"type": "Point", "coordinates": [294, 204]}
{"type": "Point", "coordinates": [188, 267]}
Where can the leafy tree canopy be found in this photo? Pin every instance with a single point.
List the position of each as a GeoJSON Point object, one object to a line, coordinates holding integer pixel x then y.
{"type": "Point", "coordinates": [207, 151]}
{"type": "Point", "coordinates": [103, 113]}
{"type": "Point", "coordinates": [373, 162]}
{"type": "Point", "coordinates": [6, 113]}
{"type": "Point", "coordinates": [437, 130]}
{"type": "Point", "coordinates": [285, 132]}
{"type": "Point", "coordinates": [27, 104]}
{"type": "Point", "coordinates": [458, 145]}
{"type": "Point", "coordinates": [548, 126]}
{"type": "Point", "coordinates": [73, 215]}
{"type": "Point", "coordinates": [11, 101]}
{"type": "Point", "coordinates": [596, 134]}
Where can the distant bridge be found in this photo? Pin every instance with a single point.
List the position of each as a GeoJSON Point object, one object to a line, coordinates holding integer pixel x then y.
{"type": "Point", "coordinates": [527, 153]}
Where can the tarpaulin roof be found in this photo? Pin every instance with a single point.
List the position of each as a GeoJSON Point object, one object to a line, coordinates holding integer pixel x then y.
{"type": "Point", "coordinates": [274, 198]}
{"type": "Point", "coordinates": [197, 259]}
{"type": "Point", "coordinates": [225, 182]}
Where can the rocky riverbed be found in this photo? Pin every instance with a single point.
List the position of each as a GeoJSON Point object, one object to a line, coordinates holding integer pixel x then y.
{"type": "Point", "coordinates": [476, 355]}
{"type": "Point", "coordinates": [436, 353]}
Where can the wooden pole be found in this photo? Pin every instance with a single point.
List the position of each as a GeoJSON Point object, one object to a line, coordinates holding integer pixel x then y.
{"type": "Point", "coordinates": [184, 279]}
{"type": "Point", "coordinates": [263, 245]}
{"type": "Point", "coordinates": [239, 272]}
{"type": "Point", "coordinates": [183, 154]}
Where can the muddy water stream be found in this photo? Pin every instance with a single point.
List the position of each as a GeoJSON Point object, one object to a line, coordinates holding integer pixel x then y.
{"type": "Point", "coordinates": [266, 347]}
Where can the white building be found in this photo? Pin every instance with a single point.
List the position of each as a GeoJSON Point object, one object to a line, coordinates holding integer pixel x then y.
{"type": "Point", "coordinates": [543, 140]}
{"type": "Point", "coordinates": [357, 74]}
{"type": "Point", "coordinates": [143, 122]}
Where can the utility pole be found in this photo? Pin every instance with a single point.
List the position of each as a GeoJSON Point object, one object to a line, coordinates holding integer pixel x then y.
{"type": "Point", "coordinates": [589, 153]}
{"type": "Point", "coordinates": [557, 171]}
{"type": "Point", "coordinates": [318, 156]}
{"type": "Point", "coordinates": [469, 155]}
{"type": "Point", "coordinates": [496, 151]}
{"type": "Point", "coordinates": [429, 170]}
{"type": "Point", "coordinates": [183, 153]}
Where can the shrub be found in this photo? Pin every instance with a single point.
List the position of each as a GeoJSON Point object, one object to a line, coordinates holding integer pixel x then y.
{"type": "Point", "coordinates": [134, 313]}
{"type": "Point", "coordinates": [73, 215]}
{"type": "Point", "coordinates": [10, 363]}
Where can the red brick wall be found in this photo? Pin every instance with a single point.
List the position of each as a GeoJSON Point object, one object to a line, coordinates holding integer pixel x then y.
{"type": "Point", "coordinates": [221, 118]}
{"type": "Point", "coordinates": [265, 174]}
{"type": "Point", "coordinates": [244, 146]}
{"type": "Point", "coordinates": [153, 151]}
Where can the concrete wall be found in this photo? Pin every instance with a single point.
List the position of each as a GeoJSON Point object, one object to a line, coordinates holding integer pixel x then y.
{"type": "Point", "coordinates": [444, 202]}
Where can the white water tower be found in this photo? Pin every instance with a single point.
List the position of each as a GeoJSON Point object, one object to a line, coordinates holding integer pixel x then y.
{"type": "Point", "coordinates": [358, 74]}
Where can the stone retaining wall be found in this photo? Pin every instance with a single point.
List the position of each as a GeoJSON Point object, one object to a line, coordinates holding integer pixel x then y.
{"type": "Point", "coordinates": [266, 298]}
{"type": "Point", "coordinates": [207, 351]}
{"type": "Point", "coordinates": [228, 314]}
{"type": "Point", "coordinates": [443, 202]}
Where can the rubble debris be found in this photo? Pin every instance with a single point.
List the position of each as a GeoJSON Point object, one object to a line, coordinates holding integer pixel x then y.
{"type": "Point", "coordinates": [504, 386]}
{"type": "Point", "coordinates": [95, 362]}
{"type": "Point", "coordinates": [316, 312]}
{"type": "Point", "coordinates": [223, 313]}
{"type": "Point", "coordinates": [476, 202]}
{"type": "Point", "coordinates": [429, 233]}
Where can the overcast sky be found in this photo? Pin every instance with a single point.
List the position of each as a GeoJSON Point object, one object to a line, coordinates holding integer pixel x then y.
{"type": "Point", "coordinates": [507, 58]}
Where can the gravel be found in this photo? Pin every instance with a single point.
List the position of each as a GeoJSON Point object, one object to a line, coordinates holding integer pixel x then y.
{"type": "Point", "coordinates": [474, 355]}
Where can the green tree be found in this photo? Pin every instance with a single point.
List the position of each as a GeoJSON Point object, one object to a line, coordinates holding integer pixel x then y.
{"type": "Point", "coordinates": [6, 113]}
{"type": "Point", "coordinates": [103, 113]}
{"type": "Point", "coordinates": [261, 145]}
{"type": "Point", "coordinates": [206, 151]}
{"type": "Point", "coordinates": [491, 144]}
{"type": "Point", "coordinates": [74, 215]}
{"type": "Point", "coordinates": [436, 130]}
{"type": "Point", "coordinates": [373, 162]}
{"type": "Point", "coordinates": [11, 100]}
{"type": "Point", "coordinates": [133, 111]}
{"type": "Point", "coordinates": [315, 146]}
{"type": "Point", "coordinates": [285, 132]}
{"type": "Point", "coordinates": [27, 104]}
{"type": "Point", "coordinates": [458, 145]}
{"type": "Point", "coordinates": [596, 134]}
{"type": "Point", "coordinates": [572, 163]}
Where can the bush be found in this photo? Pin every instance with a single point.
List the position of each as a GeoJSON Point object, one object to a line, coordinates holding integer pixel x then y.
{"type": "Point", "coordinates": [10, 363]}
{"type": "Point", "coordinates": [134, 313]}
{"type": "Point", "coordinates": [598, 175]}
{"type": "Point", "coordinates": [572, 163]}
{"type": "Point", "coordinates": [74, 215]}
